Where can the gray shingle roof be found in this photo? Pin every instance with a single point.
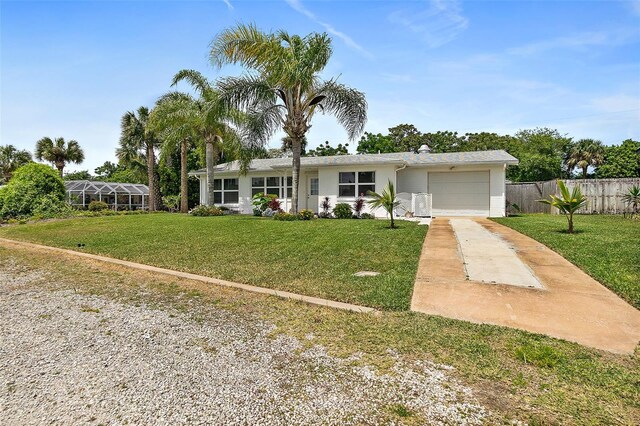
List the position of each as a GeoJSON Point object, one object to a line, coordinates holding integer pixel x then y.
{"type": "Point", "coordinates": [409, 158]}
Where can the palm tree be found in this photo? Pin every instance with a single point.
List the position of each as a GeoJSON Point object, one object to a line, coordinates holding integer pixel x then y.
{"type": "Point", "coordinates": [11, 159]}
{"type": "Point", "coordinates": [137, 143]}
{"type": "Point", "coordinates": [567, 202]}
{"type": "Point", "coordinates": [213, 122]}
{"type": "Point", "coordinates": [59, 152]}
{"type": "Point", "coordinates": [175, 119]}
{"type": "Point", "coordinates": [632, 199]}
{"type": "Point", "coordinates": [387, 200]}
{"type": "Point", "coordinates": [585, 153]}
{"type": "Point", "coordinates": [284, 89]}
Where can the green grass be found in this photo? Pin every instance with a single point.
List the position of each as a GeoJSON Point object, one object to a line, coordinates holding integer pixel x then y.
{"type": "Point", "coordinates": [604, 246]}
{"type": "Point", "coordinates": [316, 258]}
{"type": "Point", "coordinates": [515, 374]}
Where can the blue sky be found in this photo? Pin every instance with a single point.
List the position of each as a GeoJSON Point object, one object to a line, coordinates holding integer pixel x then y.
{"type": "Point", "coordinates": [72, 69]}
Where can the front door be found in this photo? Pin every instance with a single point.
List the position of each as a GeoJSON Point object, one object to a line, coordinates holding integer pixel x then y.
{"type": "Point", "coordinates": [313, 190]}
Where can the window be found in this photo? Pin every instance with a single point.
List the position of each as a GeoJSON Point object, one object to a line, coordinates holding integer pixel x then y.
{"type": "Point", "coordinates": [225, 191]}
{"type": "Point", "coordinates": [314, 186]}
{"type": "Point", "coordinates": [351, 184]}
{"type": "Point", "coordinates": [272, 185]}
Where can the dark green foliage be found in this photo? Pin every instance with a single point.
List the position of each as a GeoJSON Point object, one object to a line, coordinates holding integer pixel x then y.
{"type": "Point", "coordinates": [342, 211]}
{"type": "Point", "coordinates": [106, 170]}
{"type": "Point", "coordinates": [285, 216]}
{"type": "Point", "coordinates": [28, 187]}
{"type": "Point", "coordinates": [11, 158]}
{"type": "Point", "coordinates": [203, 210]}
{"type": "Point", "coordinates": [367, 216]}
{"type": "Point", "coordinates": [621, 161]}
{"type": "Point", "coordinates": [96, 206]}
{"type": "Point", "coordinates": [375, 143]}
{"type": "Point", "coordinates": [327, 150]}
{"type": "Point", "coordinates": [79, 175]}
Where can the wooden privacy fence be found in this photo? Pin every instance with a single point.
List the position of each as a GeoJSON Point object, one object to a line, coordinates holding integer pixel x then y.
{"type": "Point", "coordinates": [604, 196]}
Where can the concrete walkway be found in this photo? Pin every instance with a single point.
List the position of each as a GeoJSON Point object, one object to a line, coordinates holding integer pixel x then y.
{"type": "Point", "coordinates": [283, 294]}
{"type": "Point", "coordinates": [570, 304]}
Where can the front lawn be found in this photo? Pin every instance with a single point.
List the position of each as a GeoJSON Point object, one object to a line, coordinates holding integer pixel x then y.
{"type": "Point", "coordinates": [316, 258]}
{"type": "Point", "coordinates": [604, 246]}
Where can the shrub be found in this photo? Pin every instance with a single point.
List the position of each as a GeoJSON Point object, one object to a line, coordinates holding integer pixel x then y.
{"type": "Point", "coordinates": [203, 210]}
{"type": "Point", "coordinates": [285, 216]}
{"type": "Point", "coordinates": [305, 214]}
{"type": "Point", "coordinates": [274, 205]}
{"type": "Point", "coordinates": [342, 211]}
{"type": "Point", "coordinates": [326, 206]}
{"type": "Point", "coordinates": [367, 216]}
{"type": "Point", "coordinates": [97, 206]}
{"type": "Point", "coordinates": [26, 189]}
{"type": "Point", "coordinates": [358, 206]}
{"type": "Point", "coordinates": [262, 202]}
{"type": "Point", "coordinates": [49, 206]}
{"type": "Point", "coordinates": [172, 202]}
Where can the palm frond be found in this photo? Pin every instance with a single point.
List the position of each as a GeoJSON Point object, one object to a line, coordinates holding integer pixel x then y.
{"type": "Point", "coordinates": [348, 105]}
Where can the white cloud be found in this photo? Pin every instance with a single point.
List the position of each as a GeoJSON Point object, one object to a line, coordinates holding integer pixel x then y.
{"type": "Point", "coordinates": [441, 23]}
{"type": "Point", "coordinates": [577, 41]}
{"type": "Point", "coordinates": [297, 6]}
{"type": "Point", "coordinates": [228, 3]}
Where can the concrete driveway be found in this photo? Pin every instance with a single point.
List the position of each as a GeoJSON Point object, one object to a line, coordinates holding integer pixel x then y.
{"type": "Point", "coordinates": [480, 271]}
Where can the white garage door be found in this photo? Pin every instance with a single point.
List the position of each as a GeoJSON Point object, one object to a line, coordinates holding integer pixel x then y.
{"type": "Point", "coordinates": [460, 193]}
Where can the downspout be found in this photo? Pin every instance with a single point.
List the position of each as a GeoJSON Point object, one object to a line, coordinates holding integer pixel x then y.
{"type": "Point", "coordinates": [396, 181]}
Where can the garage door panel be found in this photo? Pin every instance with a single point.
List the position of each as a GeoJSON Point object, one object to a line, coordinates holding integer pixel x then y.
{"type": "Point", "coordinates": [460, 193]}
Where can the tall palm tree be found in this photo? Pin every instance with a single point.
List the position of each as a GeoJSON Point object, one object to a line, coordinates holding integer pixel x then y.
{"type": "Point", "coordinates": [138, 142]}
{"type": "Point", "coordinates": [283, 88]}
{"type": "Point", "coordinates": [12, 158]}
{"type": "Point", "coordinates": [213, 121]}
{"type": "Point", "coordinates": [59, 152]}
{"type": "Point", "coordinates": [585, 153]}
{"type": "Point", "coordinates": [176, 118]}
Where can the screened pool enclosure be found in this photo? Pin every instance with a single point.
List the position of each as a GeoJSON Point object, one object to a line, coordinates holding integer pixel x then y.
{"type": "Point", "coordinates": [119, 196]}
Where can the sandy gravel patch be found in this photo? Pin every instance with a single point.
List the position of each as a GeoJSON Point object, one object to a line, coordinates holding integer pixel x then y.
{"type": "Point", "coordinates": [67, 358]}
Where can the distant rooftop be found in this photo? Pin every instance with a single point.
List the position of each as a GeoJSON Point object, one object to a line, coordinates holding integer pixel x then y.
{"type": "Point", "coordinates": [408, 158]}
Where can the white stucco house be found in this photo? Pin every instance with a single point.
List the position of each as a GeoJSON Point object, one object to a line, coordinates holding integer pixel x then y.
{"type": "Point", "coordinates": [449, 184]}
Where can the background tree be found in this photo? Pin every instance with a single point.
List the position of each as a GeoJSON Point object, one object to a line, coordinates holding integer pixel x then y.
{"type": "Point", "coordinates": [443, 141]}
{"type": "Point", "coordinates": [78, 175]}
{"type": "Point", "coordinates": [283, 88]}
{"type": "Point", "coordinates": [106, 170]}
{"type": "Point", "coordinates": [371, 143]}
{"type": "Point", "coordinates": [58, 152]}
{"type": "Point", "coordinates": [583, 154]}
{"type": "Point", "coordinates": [621, 161]}
{"type": "Point", "coordinates": [406, 137]}
{"type": "Point", "coordinates": [540, 151]}
{"type": "Point", "coordinates": [327, 150]}
{"type": "Point", "coordinates": [137, 147]}
{"type": "Point", "coordinates": [214, 122]}
{"type": "Point", "coordinates": [11, 159]}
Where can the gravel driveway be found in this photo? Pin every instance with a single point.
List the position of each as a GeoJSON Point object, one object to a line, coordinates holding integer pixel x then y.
{"type": "Point", "coordinates": [67, 358]}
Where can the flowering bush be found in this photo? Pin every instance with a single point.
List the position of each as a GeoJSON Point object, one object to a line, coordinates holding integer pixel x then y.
{"type": "Point", "coordinates": [261, 202]}
{"type": "Point", "coordinates": [305, 214]}
{"type": "Point", "coordinates": [202, 210]}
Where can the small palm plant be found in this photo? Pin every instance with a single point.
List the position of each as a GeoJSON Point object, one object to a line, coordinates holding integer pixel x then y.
{"type": "Point", "coordinates": [632, 199]}
{"type": "Point", "coordinates": [387, 200]}
{"type": "Point", "coordinates": [568, 202]}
